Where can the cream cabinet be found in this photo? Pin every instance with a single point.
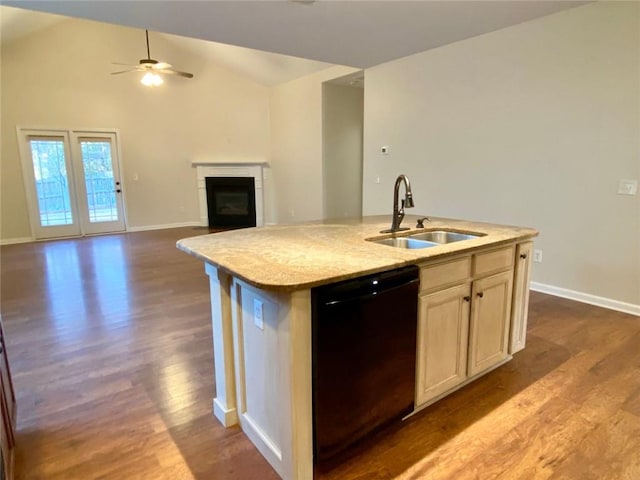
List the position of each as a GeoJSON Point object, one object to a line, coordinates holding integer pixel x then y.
{"type": "Point", "coordinates": [520, 308]}
{"type": "Point", "coordinates": [490, 320]}
{"type": "Point", "coordinates": [464, 319]}
{"type": "Point", "coordinates": [442, 341]}
{"type": "Point", "coordinates": [8, 412]}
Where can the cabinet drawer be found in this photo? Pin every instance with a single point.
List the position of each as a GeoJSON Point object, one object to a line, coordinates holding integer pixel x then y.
{"type": "Point", "coordinates": [445, 274]}
{"type": "Point", "coordinates": [493, 261]}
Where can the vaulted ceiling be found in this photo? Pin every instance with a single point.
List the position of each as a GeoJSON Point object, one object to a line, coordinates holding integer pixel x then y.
{"type": "Point", "coordinates": [357, 33]}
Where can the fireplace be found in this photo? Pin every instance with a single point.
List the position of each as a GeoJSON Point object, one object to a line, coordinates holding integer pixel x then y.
{"type": "Point", "coordinates": [231, 202]}
{"type": "Point", "coordinates": [247, 170]}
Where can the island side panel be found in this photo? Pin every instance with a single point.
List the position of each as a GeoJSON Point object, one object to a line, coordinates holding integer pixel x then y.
{"type": "Point", "coordinates": [300, 425]}
{"type": "Point", "coordinates": [224, 404]}
{"type": "Point", "coordinates": [272, 345]}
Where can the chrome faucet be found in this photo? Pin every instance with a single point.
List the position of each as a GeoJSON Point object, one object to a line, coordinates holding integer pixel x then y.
{"type": "Point", "coordinates": [398, 213]}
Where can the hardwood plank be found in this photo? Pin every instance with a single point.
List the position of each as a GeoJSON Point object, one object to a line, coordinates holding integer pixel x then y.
{"type": "Point", "coordinates": [611, 451]}
{"type": "Point", "coordinates": [110, 343]}
{"type": "Point", "coordinates": [109, 340]}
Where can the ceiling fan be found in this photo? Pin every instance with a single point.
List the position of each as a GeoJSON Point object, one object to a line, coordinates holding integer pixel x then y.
{"type": "Point", "coordinates": [153, 69]}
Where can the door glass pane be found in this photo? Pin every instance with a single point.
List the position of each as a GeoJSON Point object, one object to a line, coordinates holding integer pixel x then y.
{"type": "Point", "coordinates": [52, 184]}
{"type": "Point", "coordinates": [98, 178]}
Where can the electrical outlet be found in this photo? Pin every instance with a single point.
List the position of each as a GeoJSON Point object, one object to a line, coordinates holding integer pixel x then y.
{"type": "Point", "coordinates": [627, 187]}
{"type": "Point", "coordinates": [258, 319]}
{"type": "Point", "coordinates": [377, 178]}
{"type": "Point", "coordinates": [537, 256]}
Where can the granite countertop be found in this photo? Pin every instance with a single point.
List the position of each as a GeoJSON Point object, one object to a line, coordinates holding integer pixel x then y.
{"type": "Point", "coordinates": [300, 256]}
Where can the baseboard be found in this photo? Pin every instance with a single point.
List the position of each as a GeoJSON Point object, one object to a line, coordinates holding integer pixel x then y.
{"type": "Point", "coordinates": [269, 450]}
{"type": "Point", "coordinates": [586, 298]}
{"type": "Point", "coordinates": [227, 416]}
{"type": "Point", "coordinates": [145, 228]}
{"type": "Point", "coordinates": [12, 241]}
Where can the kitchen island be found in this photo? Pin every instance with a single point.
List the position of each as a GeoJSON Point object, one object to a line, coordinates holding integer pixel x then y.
{"type": "Point", "coordinates": [472, 309]}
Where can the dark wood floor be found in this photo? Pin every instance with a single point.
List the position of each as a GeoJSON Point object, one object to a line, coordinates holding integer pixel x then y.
{"type": "Point", "coordinates": [110, 343]}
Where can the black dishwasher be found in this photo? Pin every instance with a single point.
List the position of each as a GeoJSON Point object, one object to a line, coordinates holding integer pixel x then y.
{"type": "Point", "coordinates": [364, 357]}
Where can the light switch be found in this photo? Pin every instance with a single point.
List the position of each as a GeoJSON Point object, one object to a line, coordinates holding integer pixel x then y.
{"type": "Point", "coordinates": [258, 321]}
{"type": "Point", "coordinates": [627, 187]}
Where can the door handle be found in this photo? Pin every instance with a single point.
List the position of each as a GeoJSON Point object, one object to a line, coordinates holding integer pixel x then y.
{"type": "Point", "coordinates": [118, 190]}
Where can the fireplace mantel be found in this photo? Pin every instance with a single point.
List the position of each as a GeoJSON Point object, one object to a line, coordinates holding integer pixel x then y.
{"type": "Point", "coordinates": [206, 163]}
{"type": "Point", "coordinates": [230, 169]}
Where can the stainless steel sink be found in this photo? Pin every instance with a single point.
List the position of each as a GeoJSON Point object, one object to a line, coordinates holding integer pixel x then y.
{"type": "Point", "coordinates": [405, 242]}
{"type": "Point", "coordinates": [441, 236]}
{"type": "Point", "coordinates": [427, 239]}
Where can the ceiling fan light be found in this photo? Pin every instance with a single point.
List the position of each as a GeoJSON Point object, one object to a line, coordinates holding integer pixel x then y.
{"type": "Point", "coordinates": [151, 79]}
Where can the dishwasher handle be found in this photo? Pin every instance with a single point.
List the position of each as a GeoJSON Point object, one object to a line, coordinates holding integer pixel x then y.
{"type": "Point", "coordinates": [367, 295]}
{"type": "Point", "coordinates": [366, 287]}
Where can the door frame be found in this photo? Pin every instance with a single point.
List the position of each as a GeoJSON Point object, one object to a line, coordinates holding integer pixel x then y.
{"type": "Point", "coordinates": [29, 178]}
{"type": "Point", "coordinates": [89, 228]}
{"type": "Point", "coordinates": [69, 134]}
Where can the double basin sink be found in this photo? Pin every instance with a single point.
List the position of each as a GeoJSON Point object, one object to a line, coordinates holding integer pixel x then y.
{"type": "Point", "coordinates": [427, 239]}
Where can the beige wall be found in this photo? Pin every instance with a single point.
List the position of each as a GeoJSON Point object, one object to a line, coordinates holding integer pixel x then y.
{"type": "Point", "coordinates": [296, 146]}
{"type": "Point", "coordinates": [342, 125]}
{"type": "Point", "coordinates": [60, 77]}
{"type": "Point", "coordinates": [531, 125]}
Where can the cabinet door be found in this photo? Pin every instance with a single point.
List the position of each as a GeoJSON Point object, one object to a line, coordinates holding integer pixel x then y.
{"type": "Point", "coordinates": [443, 324]}
{"type": "Point", "coordinates": [490, 320]}
{"type": "Point", "coordinates": [8, 395]}
{"type": "Point", "coordinates": [520, 308]}
{"type": "Point", "coordinates": [6, 446]}
{"type": "Point", "coordinates": [7, 412]}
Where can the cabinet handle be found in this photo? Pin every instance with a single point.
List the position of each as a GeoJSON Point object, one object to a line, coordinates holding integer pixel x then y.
{"type": "Point", "coordinates": [523, 256]}
{"type": "Point", "coordinates": [467, 298]}
{"type": "Point", "coordinates": [480, 294]}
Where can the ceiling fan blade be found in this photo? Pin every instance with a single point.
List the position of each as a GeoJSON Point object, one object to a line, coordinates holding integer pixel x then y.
{"type": "Point", "coordinates": [171, 71]}
{"type": "Point", "coordinates": [150, 65]}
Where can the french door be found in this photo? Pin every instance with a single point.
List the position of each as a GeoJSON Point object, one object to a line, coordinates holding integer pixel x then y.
{"type": "Point", "coordinates": [72, 179]}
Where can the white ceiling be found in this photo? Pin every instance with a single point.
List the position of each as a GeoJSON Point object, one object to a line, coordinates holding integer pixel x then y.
{"type": "Point", "coordinates": [357, 33]}
{"type": "Point", "coordinates": [264, 68]}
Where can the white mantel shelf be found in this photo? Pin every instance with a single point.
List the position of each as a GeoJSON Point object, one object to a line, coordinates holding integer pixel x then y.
{"type": "Point", "coordinates": [253, 170]}
{"type": "Point", "coordinates": [204, 163]}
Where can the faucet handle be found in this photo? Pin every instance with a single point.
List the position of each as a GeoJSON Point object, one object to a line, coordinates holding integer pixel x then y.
{"type": "Point", "coordinates": [419, 223]}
